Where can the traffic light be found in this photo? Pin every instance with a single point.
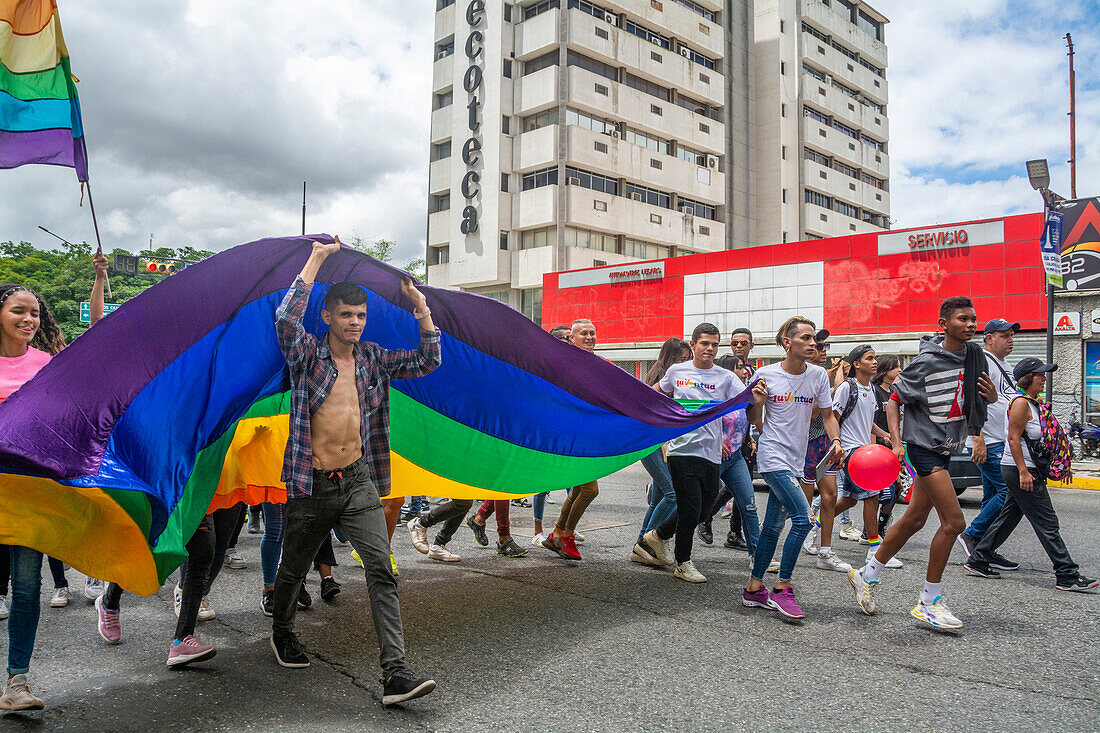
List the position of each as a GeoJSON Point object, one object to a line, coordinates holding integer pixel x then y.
{"type": "Point", "coordinates": [160, 268]}
{"type": "Point", "coordinates": [126, 264]}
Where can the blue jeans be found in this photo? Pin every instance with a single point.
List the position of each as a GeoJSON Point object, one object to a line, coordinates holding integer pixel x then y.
{"type": "Point", "coordinates": [662, 504]}
{"type": "Point", "coordinates": [735, 475]}
{"type": "Point", "coordinates": [994, 491]}
{"type": "Point", "coordinates": [26, 585]}
{"type": "Point", "coordinates": [786, 499]}
{"type": "Point", "coordinates": [271, 545]}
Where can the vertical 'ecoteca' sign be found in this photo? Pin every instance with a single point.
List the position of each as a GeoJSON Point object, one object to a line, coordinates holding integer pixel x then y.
{"type": "Point", "coordinates": [471, 82]}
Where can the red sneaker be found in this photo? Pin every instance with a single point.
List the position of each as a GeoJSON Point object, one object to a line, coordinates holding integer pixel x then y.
{"type": "Point", "coordinates": [569, 548]}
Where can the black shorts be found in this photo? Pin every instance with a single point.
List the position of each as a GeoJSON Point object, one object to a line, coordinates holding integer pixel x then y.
{"type": "Point", "coordinates": [925, 461]}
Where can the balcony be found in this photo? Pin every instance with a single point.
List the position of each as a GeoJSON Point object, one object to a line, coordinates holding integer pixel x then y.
{"type": "Point", "coordinates": [535, 149]}
{"type": "Point", "coordinates": [841, 27]}
{"type": "Point", "coordinates": [874, 199]}
{"type": "Point", "coordinates": [443, 71]}
{"type": "Point", "coordinates": [833, 183]}
{"type": "Point", "coordinates": [534, 208]}
{"type": "Point", "coordinates": [445, 21]}
{"type": "Point", "coordinates": [529, 265]}
{"type": "Point", "coordinates": [538, 35]}
{"type": "Point", "coordinates": [832, 142]}
{"type": "Point", "coordinates": [846, 109]}
{"type": "Point", "coordinates": [676, 20]}
{"type": "Point", "coordinates": [874, 162]}
{"type": "Point", "coordinates": [439, 175]}
{"type": "Point", "coordinates": [640, 220]}
{"type": "Point", "coordinates": [439, 227]}
{"type": "Point", "coordinates": [536, 91]}
{"type": "Point", "coordinates": [442, 122]}
{"type": "Point", "coordinates": [875, 123]}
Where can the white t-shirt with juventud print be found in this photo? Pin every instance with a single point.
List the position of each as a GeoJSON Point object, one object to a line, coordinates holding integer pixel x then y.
{"type": "Point", "coordinates": [685, 381]}
{"type": "Point", "coordinates": [855, 431]}
{"type": "Point", "coordinates": [791, 400]}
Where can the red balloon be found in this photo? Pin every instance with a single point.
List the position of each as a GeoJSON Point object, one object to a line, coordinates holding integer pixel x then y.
{"type": "Point", "coordinates": [873, 467]}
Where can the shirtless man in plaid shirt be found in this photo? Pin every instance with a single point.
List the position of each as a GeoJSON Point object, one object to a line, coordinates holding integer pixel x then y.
{"type": "Point", "coordinates": [336, 465]}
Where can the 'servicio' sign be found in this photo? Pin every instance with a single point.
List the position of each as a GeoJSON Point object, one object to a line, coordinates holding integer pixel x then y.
{"type": "Point", "coordinates": [471, 82]}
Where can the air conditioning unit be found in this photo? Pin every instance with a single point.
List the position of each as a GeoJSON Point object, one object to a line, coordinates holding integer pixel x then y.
{"type": "Point", "coordinates": [637, 196]}
{"type": "Point", "coordinates": [441, 55]}
{"type": "Point", "coordinates": [611, 18]}
{"type": "Point", "coordinates": [687, 210]}
{"type": "Point", "coordinates": [685, 52]}
{"type": "Point", "coordinates": [615, 133]}
{"type": "Point", "coordinates": [712, 161]}
{"type": "Point", "coordinates": [573, 181]}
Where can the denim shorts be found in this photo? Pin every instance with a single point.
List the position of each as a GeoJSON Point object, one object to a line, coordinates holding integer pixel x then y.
{"type": "Point", "coordinates": [845, 486]}
{"type": "Point", "coordinates": [815, 451]}
{"type": "Point", "coordinates": [925, 461]}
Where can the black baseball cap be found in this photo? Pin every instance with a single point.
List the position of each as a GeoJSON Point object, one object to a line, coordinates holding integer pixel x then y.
{"type": "Point", "coordinates": [999, 324]}
{"type": "Point", "coordinates": [821, 335]}
{"type": "Point", "coordinates": [858, 352]}
{"type": "Point", "coordinates": [1031, 365]}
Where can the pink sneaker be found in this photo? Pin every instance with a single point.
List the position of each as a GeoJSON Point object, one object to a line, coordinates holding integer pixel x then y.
{"type": "Point", "coordinates": [782, 600]}
{"type": "Point", "coordinates": [189, 650]}
{"type": "Point", "coordinates": [755, 598]}
{"type": "Point", "coordinates": [108, 623]}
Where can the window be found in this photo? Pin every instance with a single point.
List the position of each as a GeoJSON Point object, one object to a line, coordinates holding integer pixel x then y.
{"type": "Point", "coordinates": [442, 255]}
{"type": "Point", "coordinates": [600, 147]}
{"type": "Point", "coordinates": [602, 33]}
{"type": "Point", "coordinates": [647, 35]}
{"type": "Point", "coordinates": [538, 179]}
{"type": "Point", "coordinates": [815, 156]}
{"type": "Point", "coordinates": [871, 142]}
{"type": "Point", "coordinates": [533, 238]}
{"type": "Point", "coordinates": [443, 99]}
{"type": "Point", "coordinates": [871, 67]}
{"type": "Point", "coordinates": [590, 64]}
{"type": "Point", "coordinates": [531, 304]}
{"type": "Point", "coordinates": [539, 8]}
{"type": "Point", "coordinates": [644, 250]}
{"type": "Point", "coordinates": [636, 82]}
{"type": "Point", "coordinates": [783, 68]}
{"type": "Point", "coordinates": [781, 27]}
{"type": "Point", "coordinates": [649, 196]}
{"type": "Point", "coordinates": [845, 89]}
{"type": "Point", "coordinates": [441, 150]}
{"type": "Point", "coordinates": [501, 295]}
{"type": "Point", "coordinates": [845, 208]}
{"type": "Point", "coordinates": [844, 9]}
{"type": "Point", "coordinates": [782, 110]}
{"type": "Point", "coordinates": [875, 182]}
{"type": "Point", "coordinates": [705, 129]}
{"type": "Point", "coordinates": [654, 218]}
{"type": "Point", "coordinates": [696, 8]}
{"type": "Point", "coordinates": [699, 108]}
{"type": "Point", "coordinates": [691, 156]}
{"type": "Point", "coordinates": [704, 78]}
{"type": "Point", "coordinates": [504, 241]}
{"type": "Point", "coordinates": [784, 195]}
{"type": "Point", "coordinates": [653, 55]}
{"type": "Point", "coordinates": [873, 105]}
{"type": "Point", "coordinates": [441, 202]}
{"type": "Point", "coordinates": [580, 119]}
{"type": "Point", "coordinates": [588, 239]}
{"type": "Point", "coordinates": [818, 199]}
{"type": "Point", "coordinates": [507, 68]}
{"type": "Point", "coordinates": [783, 152]}
{"type": "Point", "coordinates": [594, 181]}
{"type": "Point", "coordinates": [601, 89]}
{"type": "Point", "coordinates": [655, 110]}
{"type": "Point", "coordinates": [845, 50]}
{"type": "Point", "coordinates": [542, 119]}
{"type": "Point", "coordinates": [541, 62]}
{"type": "Point", "coordinates": [698, 58]}
{"type": "Point", "coordinates": [504, 182]}
{"type": "Point", "coordinates": [445, 48]}
{"type": "Point", "coordinates": [586, 7]}
{"type": "Point", "coordinates": [443, 4]}
{"type": "Point", "coordinates": [507, 13]}
{"type": "Point", "coordinates": [698, 208]}
{"type": "Point", "coordinates": [850, 132]}
{"type": "Point", "coordinates": [813, 114]}
{"type": "Point", "coordinates": [654, 163]}
{"type": "Point", "coordinates": [814, 32]}
{"type": "Point", "coordinates": [505, 124]}
{"type": "Point", "coordinates": [648, 141]}
{"type": "Point", "coordinates": [846, 169]}
{"type": "Point", "coordinates": [704, 231]}
{"type": "Point", "coordinates": [599, 205]}
{"type": "Point", "coordinates": [869, 25]}
{"type": "Point", "coordinates": [813, 72]}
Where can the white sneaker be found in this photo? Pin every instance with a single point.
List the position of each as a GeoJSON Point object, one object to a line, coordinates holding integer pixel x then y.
{"type": "Point", "coordinates": [773, 566]}
{"type": "Point", "coordinates": [93, 588]}
{"type": "Point", "coordinates": [206, 613]}
{"type": "Point", "coordinates": [419, 535]}
{"type": "Point", "coordinates": [659, 547]}
{"type": "Point", "coordinates": [686, 571]}
{"type": "Point", "coordinates": [727, 510]}
{"type": "Point", "coordinates": [849, 532]}
{"type": "Point", "coordinates": [863, 591]}
{"type": "Point", "coordinates": [936, 614]}
{"type": "Point", "coordinates": [537, 539]}
{"type": "Point", "coordinates": [441, 553]}
{"type": "Point", "coordinates": [5, 609]}
{"type": "Point", "coordinates": [177, 600]}
{"type": "Point", "coordinates": [60, 598]}
{"type": "Point", "coordinates": [893, 563]}
{"type": "Point", "coordinates": [831, 562]}
{"type": "Point", "coordinates": [810, 546]}
{"type": "Point", "coordinates": [234, 560]}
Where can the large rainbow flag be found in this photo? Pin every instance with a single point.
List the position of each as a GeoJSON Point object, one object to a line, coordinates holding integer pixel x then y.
{"type": "Point", "coordinates": [176, 403]}
{"type": "Point", "coordinates": [39, 108]}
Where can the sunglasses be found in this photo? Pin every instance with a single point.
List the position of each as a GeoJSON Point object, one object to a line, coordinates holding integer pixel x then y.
{"type": "Point", "coordinates": [821, 347]}
{"type": "Point", "coordinates": [740, 343]}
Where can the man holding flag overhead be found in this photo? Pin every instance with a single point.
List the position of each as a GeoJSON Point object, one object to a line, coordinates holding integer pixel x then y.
{"type": "Point", "coordinates": [336, 465]}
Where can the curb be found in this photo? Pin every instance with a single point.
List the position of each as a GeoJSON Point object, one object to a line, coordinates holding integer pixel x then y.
{"type": "Point", "coordinates": [1087, 483]}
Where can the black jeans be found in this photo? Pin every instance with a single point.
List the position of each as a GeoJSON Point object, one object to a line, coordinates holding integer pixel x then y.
{"type": "Point", "coordinates": [695, 481]}
{"type": "Point", "coordinates": [724, 495]}
{"type": "Point", "coordinates": [205, 555]}
{"type": "Point", "coordinates": [1036, 506]}
{"type": "Point", "coordinates": [450, 513]}
{"type": "Point", "coordinates": [350, 498]}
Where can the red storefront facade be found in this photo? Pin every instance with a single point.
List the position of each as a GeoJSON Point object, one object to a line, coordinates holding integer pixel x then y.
{"type": "Point", "coordinates": [885, 286]}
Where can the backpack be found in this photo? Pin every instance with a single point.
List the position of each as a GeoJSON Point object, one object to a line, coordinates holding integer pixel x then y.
{"type": "Point", "coordinates": [853, 398]}
{"type": "Point", "coordinates": [1051, 453]}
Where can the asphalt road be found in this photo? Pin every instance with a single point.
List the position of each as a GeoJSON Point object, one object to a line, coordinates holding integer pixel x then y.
{"type": "Point", "coordinates": [536, 644]}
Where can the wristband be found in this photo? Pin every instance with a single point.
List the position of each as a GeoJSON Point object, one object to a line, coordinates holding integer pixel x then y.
{"type": "Point", "coordinates": [422, 314]}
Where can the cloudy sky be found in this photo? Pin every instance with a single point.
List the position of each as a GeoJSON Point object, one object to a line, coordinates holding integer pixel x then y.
{"type": "Point", "coordinates": [204, 117]}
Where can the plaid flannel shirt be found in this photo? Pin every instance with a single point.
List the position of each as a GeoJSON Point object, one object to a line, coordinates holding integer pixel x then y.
{"type": "Point", "coordinates": [312, 376]}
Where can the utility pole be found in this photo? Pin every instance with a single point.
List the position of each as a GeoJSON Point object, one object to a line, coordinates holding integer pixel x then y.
{"type": "Point", "coordinates": [303, 208]}
{"type": "Point", "coordinates": [1072, 123]}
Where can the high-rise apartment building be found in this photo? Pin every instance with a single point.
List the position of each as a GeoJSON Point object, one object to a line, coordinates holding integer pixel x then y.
{"type": "Point", "coordinates": [822, 134]}
{"type": "Point", "coordinates": [569, 134]}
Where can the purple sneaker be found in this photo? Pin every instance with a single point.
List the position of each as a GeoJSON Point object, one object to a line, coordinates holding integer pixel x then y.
{"type": "Point", "coordinates": [189, 650]}
{"type": "Point", "coordinates": [107, 623]}
{"type": "Point", "coordinates": [755, 598]}
{"type": "Point", "coordinates": [782, 600]}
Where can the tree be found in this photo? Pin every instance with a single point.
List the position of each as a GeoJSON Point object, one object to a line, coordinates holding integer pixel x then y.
{"type": "Point", "coordinates": [382, 249]}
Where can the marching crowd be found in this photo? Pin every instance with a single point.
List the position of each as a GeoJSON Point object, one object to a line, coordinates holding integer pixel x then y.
{"type": "Point", "coordinates": [805, 419]}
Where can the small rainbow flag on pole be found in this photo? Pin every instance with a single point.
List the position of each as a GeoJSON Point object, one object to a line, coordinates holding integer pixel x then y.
{"type": "Point", "coordinates": [39, 109]}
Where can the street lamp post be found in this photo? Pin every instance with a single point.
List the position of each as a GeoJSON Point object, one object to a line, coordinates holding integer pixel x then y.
{"type": "Point", "coordinates": [1038, 174]}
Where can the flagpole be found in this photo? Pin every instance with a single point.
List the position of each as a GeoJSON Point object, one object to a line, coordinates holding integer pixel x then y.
{"type": "Point", "coordinates": [98, 241]}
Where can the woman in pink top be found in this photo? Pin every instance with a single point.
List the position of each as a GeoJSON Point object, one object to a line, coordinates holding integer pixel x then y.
{"type": "Point", "coordinates": [29, 337]}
